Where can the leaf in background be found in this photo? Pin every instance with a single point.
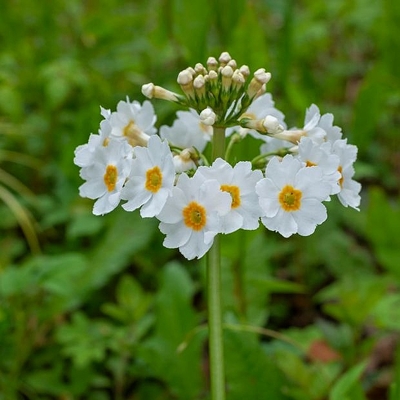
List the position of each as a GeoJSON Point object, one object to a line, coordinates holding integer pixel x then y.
{"type": "Point", "coordinates": [348, 386]}
{"type": "Point", "coordinates": [126, 235]}
{"type": "Point", "coordinates": [175, 319]}
{"type": "Point", "coordinates": [251, 373]}
{"type": "Point", "coordinates": [383, 216]}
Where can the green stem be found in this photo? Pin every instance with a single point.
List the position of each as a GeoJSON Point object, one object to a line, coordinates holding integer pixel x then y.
{"type": "Point", "coordinates": [217, 370]}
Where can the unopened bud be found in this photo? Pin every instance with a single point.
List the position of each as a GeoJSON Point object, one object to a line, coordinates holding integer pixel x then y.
{"type": "Point", "coordinates": [185, 80]}
{"type": "Point", "coordinates": [245, 70]}
{"type": "Point", "coordinates": [227, 73]}
{"type": "Point", "coordinates": [199, 69]}
{"type": "Point", "coordinates": [224, 58]}
{"type": "Point", "coordinates": [212, 64]}
{"type": "Point", "coordinates": [272, 125]}
{"type": "Point", "coordinates": [207, 117]}
{"type": "Point", "coordinates": [260, 78]}
{"type": "Point", "coordinates": [157, 92]}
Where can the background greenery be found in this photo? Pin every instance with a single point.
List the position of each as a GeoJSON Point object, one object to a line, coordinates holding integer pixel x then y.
{"type": "Point", "coordinates": [95, 308]}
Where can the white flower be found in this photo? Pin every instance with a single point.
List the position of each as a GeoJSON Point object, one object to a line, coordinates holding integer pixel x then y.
{"type": "Point", "coordinates": [333, 132]}
{"type": "Point", "coordinates": [151, 178]}
{"type": "Point", "coordinates": [188, 130]}
{"type": "Point", "coordinates": [133, 122]}
{"type": "Point", "coordinates": [320, 155]}
{"type": "Point", "coordinates": [191, 216]}
{"type": "Point", "coordinates": [84, 154]}
{"type": "Point", "coordinates": [106, 175]}
{"type": "Point", "coordinates": [349, 188]}
{"type": "Point", "coordinates": [311, 128]}
{"type": "Point", "coordinates": [239, 181]}
{"type": "Point", "coordinates": [290, 196]}
{"type": "Point", "coordinates": [260, 108]}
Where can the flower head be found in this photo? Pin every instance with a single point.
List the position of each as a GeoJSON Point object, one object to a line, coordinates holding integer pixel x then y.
{"type": "Point", "coordinates": [291, 197]}
{"type": "Point", "coordinates": [191, 215]}
{"type": "Point", "coordinates": [151, 178]}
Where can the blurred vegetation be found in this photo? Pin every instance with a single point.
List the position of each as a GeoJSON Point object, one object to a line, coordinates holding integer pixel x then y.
{"type": "Point", "coordinates": [95, 308]}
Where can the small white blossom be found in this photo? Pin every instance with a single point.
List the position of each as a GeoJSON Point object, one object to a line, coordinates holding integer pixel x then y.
{"type": "Point", "coordinates": [291, 197]}
{"type": "Point", "coordinates": [106, 175]}
{"type": "Point", "coordinates": [133, 121]}
{"type": "Point", "coordinates": [321, 155]}
{"type": "Point", "coordinates": [349, 194]}
{"type": "Point", "coordinates": [191, 216]}
{"type": "Point", "coordinates": [151, 178]}
{"type": "Point", "coordinates": [239, 181]}
{"type": "Point", "coordinates": [188, 130]}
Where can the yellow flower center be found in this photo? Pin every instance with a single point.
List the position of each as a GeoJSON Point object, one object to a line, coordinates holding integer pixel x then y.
{"type": "Point", "coordinates": [310, 164]}
{"type": "Point", "coordinates": [154, 179]}
{"type": "Point", "coordinates": [110, 177]}
{"type": "Point", "coordinates": [194, 216]}
{"type": "Point", "coordinates": [290, 198]}
{"type": "Point", "coordinates": [234, 191]}
{"type": "Point", "coordinates": [340, 169]}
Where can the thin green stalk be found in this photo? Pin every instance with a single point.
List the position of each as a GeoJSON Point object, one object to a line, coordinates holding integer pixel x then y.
{"type": "Point", "coordinates": [217, 370]}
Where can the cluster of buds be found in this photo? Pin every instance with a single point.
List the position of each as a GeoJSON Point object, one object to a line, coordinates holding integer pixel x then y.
{"type": "Point", "coordinates": [220, 86]}
{"type": "Point", "coordinates": [165, 173]}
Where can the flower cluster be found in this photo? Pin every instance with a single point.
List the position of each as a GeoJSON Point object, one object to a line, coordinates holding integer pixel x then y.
{"type": "Point", "coordinates": [165, 173]}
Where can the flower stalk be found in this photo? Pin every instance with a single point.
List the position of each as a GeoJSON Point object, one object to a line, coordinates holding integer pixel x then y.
{"type": "Point", "coordinates": [217, 368]}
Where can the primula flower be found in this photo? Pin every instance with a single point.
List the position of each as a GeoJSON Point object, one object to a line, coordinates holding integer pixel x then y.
{"type": "Point", "coordinates": [133, 121]}
{"type": "Point", "coordinates": [290, 196]}
{"type": "Point", "coordinates": [321, 155]}
{"type": "Point", "coordinates": [349, 188]}
{"type": "Point", "coordinates": [85, 153]}
{"type": "Point", "coordinates": [239, 181]}
{"type": "Point", "coordinates": [191, 216]}
{"type": "Point", "coordinates": [311, 128]}
{"type": "Point", "coordinates": [188, 130]}
{"type": "Point", "coordinates": [151, 178]}
{"type": "Point", "coordinates": [106, 175]}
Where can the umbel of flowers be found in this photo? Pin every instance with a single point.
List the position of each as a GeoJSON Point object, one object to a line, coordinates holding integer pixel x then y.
{"type": "Point", "coordinates": [166, 174]}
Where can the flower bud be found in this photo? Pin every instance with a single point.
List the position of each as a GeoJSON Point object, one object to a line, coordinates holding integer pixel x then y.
{"type": "Point", "coordinates": [212, 64]}
{"type": "Point", "coordinates": [224, 58]}
{"type": "Point", "coordinates": [207, 117]}
{"type": "Point", "coordinates": [157, 92]}
{"type": "Point", "coordinates": [272, 126]}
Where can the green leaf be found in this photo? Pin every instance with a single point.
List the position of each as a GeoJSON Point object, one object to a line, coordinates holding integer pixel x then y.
{"type": "Point", "coordinates": [251, 373]}
{"type": "Point", "coordinates": [175, 320]}
{"type": "Point", "coordinates": [346, 386]}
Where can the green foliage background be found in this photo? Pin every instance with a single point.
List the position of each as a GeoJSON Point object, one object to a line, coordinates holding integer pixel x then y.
{"type": "Point", "coordinates": [95, 308]}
